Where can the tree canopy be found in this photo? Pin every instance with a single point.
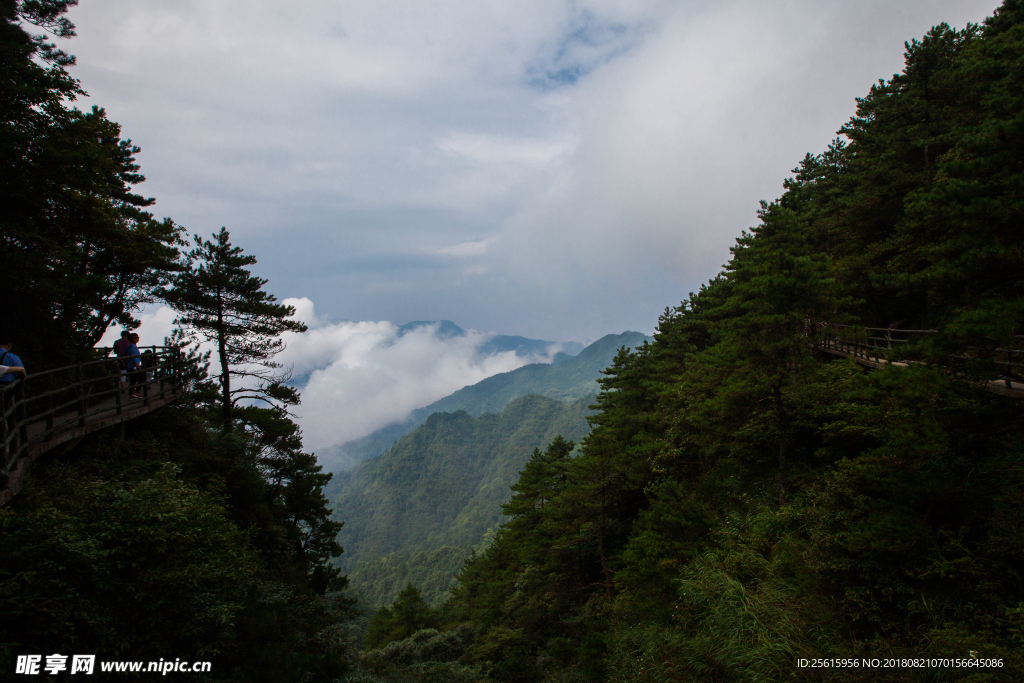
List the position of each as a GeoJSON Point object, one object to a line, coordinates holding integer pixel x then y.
{"type": "Point", "coordinates": [79, 248]}
{"type": "Point", "coordinates": [180, 534]}
{"type": "Point", "coordinates": [222, 302]}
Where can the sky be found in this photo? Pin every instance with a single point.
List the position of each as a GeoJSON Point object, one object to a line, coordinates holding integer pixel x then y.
{"type": "Point", "coordinates": [557, 169]}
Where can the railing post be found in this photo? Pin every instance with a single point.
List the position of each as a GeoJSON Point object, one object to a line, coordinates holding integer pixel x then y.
{"type": "Point", "coordinates": [161, 370]}
{"type": "Point", "coordinates": [20, 424]}
{"type": "Point", "coordinates": [145, 386]}
{"type": "Point", "coordinates": [81, 395]}
{"type": "Point", "coordinates": [117, 394]}
{"type": "Point", "coordinates": [49, 418]}
{"type": "Point", "coordinates": [5, 451]}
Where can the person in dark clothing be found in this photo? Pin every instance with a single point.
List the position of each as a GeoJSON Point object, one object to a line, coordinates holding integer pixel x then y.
{"type": "Point", "coordinates": [121, 349]}
{"type": "Point", "coordinates": [137, 377]}
{"type": "Point", "coordinates": [149, 364]}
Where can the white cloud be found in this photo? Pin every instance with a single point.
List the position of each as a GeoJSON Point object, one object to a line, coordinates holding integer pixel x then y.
{"type": "Point", "coordinates": [157, 324]}
{"type": "Point", "coordinates": [497, 149]}
{"type": "Point", "coordinates": [356, 377]}
{"type": "Point", "coordinates": [363, 375]}
{"type": "Point", "coordinates": [462, 249]}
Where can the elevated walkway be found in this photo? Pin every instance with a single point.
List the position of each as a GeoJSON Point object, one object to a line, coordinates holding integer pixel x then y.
{"type": "Point", "coordinates": [872, 346]}
{"type": "Point", "coordinates": [56, 408]}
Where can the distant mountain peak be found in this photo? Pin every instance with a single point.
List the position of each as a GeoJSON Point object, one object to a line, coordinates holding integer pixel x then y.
{"type": "Point", "coordinates": [446, 329]}
{"type": "Point", "coordinates": [500, 343]}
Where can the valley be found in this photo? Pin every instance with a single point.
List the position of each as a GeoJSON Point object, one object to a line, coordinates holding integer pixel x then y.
{"type": "Point", "coordinates": [415, 512]}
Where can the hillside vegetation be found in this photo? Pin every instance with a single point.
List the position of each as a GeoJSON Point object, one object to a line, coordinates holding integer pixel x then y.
{"type": "Point", "coordinates": [743, 503]}
{"type": "Point", "coordinates": [414, 513]}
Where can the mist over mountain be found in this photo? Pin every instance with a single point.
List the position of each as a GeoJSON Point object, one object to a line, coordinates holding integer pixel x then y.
{"type": "Point", "coordinates": [567, 377]}
{"type": "Point", "coordinates": [522, 346]}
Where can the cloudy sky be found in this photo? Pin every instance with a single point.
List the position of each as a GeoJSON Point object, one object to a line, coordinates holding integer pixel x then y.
{"type": "Point", "coordinates": [559, 169]}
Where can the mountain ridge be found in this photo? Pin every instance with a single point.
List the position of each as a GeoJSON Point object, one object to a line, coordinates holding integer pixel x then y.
{"type": "Point", "coordinates": [438, 491]}
{"type": "Point", "coordinates": [566, 379]}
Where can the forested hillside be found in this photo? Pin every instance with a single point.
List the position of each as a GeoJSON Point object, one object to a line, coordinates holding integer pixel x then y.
{"type": "Point", "coordinates": [414, 513]}
{"type": "Point", "coordinates": [567, 378]}
{"type": "Point", "coordinates": [740, 504]}
{"type": "Point", "coordinates": [197, 531]}
{"type": "Point", "coordinates": [743, 502]}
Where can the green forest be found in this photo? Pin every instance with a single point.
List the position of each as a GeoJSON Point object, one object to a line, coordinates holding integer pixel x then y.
{"type": "Point", "coordinates": [415, 513]}
{"type": "Point", "coordinates": [742, 501]}
{"type": "Point", "coordinates": [741, 504]}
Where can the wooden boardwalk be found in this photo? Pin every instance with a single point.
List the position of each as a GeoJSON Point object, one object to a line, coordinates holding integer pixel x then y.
{"type": "Point", "coordinates": [870, 346]}
{"type": "Point", "coordinates": [61, 411]}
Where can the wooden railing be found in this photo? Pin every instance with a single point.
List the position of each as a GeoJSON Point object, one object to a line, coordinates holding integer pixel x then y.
{"type": "Point", "coordinates": [877, 346]}
{"type": "Point", "coordinates": [865, 343]}
{"type": "Point", "coordinates": [45, 403]}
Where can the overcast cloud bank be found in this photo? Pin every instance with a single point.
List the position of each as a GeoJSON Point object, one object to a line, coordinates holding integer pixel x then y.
{"type": "Point", "coordinates": [553, 168]}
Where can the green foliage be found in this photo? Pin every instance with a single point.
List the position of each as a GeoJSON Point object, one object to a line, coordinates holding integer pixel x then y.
{"type": "Point", "coordinates": [408, 614]}
{"type": "Point", "coordinates": [440, 486]}
{"type": "Point", "coordinates": [76, 242]}
{"type": "Point", "coordinates": [173, 540]}
{"type": "Point", "coordinates": [287, 634]}
{"type": "Point", "coordinates": [220, 301]}
{"type": "Point", "coordinates": [379, 578]}
{"type": "Point", "coordinates": [426, 655]}
{"type": "Point", "coordinates": [424, 645]}
{"type": "Point", "coordinates": [742, 502]}
{"type": "Point", "coordinates": [295, 485]}
{"type": "Point", "coordinates": [145, 567]}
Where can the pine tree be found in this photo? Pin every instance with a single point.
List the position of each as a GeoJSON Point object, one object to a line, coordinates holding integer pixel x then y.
{"type": "Point", "coordinates": [406, 615]}
{"type": "Point", "coordinates": [85, 251]}
{"type": "Point", "coordinates": [224, 303]}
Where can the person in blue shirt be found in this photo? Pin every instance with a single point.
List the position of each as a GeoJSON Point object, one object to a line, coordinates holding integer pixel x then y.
{"type": "Point", "coordinates": [136, 378]}
{"type": "Point", "coordinates": [9, 359]}
{"type": "Point", "coordinates": [13, 368]}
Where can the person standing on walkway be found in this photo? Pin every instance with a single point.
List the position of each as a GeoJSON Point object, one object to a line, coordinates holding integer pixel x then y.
{"type": "Point", "coordinates": [10, 367]}
{"type": "Point", "coordinates": [121, 349]}
{"type": "Point", "coordinates": [13, 365]}
{"type": "Point", "coordinates": [134, 364]}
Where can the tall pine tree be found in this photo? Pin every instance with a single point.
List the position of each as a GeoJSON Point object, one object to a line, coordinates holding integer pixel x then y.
{"type": "Point", "coordinates": [224, 303]}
